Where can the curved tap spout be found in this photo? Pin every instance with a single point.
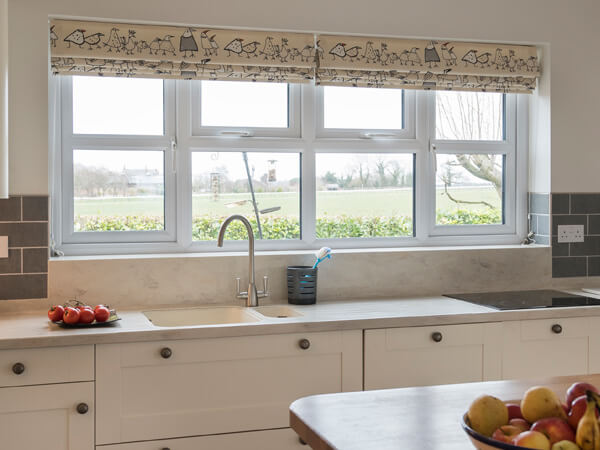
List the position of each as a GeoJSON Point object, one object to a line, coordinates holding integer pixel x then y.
{"type": "Point", "coordinates": [252, 299]}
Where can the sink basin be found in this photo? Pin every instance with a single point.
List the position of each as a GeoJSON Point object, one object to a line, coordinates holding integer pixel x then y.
{"type": "Point", "coordinates": [277, 311]}
{"type": "Point", "coordinates": [201, 316]}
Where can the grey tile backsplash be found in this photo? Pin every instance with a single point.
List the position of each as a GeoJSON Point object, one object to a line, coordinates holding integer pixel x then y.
{"type": "Point", "coordinates": [24, 274]}
{"type": "Point", "coordinates": [577, 259]}
{"type": "Point", "coordinates": [539, 217]}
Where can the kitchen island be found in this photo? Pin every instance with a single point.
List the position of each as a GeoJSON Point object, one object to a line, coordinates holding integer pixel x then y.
{"type": "Point", "coordinates": [420, 418]}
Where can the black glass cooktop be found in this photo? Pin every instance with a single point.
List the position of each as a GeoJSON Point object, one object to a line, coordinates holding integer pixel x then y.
{"type": "Point", "coordinates": [527, 299]}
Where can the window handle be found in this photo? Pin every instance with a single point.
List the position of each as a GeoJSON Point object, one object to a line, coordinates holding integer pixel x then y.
{"type": "Point", "coordinates": [236, 133]}
{"type": "Point", "coordinates": [369, 135]}
{"type": "Point", "coordinates": [174, 154]}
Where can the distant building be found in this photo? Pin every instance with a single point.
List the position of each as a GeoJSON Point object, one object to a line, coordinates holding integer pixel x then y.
{"type": "Point", "coordinates": [150, 181]}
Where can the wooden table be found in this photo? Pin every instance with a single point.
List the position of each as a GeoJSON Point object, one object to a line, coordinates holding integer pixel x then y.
{"type": "Point", "coordinates": [420, 418]}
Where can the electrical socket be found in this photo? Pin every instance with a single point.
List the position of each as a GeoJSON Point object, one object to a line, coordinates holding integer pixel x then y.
{"type": "Point", "coordinates": [570, 233]}
{"type": "Point", "coordinates": [3, 246]}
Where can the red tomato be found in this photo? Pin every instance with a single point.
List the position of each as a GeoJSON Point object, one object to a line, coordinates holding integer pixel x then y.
{"type": "Point", "coordinates": [55, 314]}
{"type": "Point", "coordinates": [86, 315]}
{"type": "Point", "coordinates": [102, 313]}
{"type": "Point", "coordinates": [99, 306]}
{"type": "Point", "coordinates": [71, 315]}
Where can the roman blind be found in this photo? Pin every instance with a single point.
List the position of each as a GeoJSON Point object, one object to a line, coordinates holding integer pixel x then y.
{"type": "Point", "coordinates": [130, 50]}
{"type": "Point", "coordinates": [416, 64]}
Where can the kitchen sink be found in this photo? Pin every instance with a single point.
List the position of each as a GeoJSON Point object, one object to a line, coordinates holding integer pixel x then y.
{"type": "Point", "coordinates": [277, 311]}
{"type": "Point", "coordinates": [215, 315]}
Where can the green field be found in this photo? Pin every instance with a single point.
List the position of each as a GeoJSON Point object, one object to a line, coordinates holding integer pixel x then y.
{"type": "Point", "coordinates": [329, 203]}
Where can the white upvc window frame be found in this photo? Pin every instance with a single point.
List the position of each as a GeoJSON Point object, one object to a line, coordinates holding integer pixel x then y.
{"type": "Point", "coordinates": [407, 133]}
{"type": "Point", "coordinates": [506, 147]}
{"type": "Point", "coordinates": [292, 130]}
{"type": "Point", "coordinates": [305, 112]}
{"type": "Point", "coordinates": [111, 142]}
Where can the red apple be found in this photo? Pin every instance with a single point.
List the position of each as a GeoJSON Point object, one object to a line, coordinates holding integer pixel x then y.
{"type": "Point", "coordinates": [506, 433]}
{"type": "Point", "coordinates": [577, 390]}
{"type": "Point", "coordinates": [522, 424]}
{"type": "Point", "coordinates": [554, 429]}
{"type": "Point", "coordinates": [514, 411]}
{"type": "Point", "coordinates": [577, 411]}
{"type": "Point", "coordinates": [532, 439]}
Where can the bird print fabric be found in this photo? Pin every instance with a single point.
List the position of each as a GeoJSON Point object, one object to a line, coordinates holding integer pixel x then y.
{"type": "Point", "coordinates": [129, 50]}
{"type": "Point", "coordinates": [414, 64]}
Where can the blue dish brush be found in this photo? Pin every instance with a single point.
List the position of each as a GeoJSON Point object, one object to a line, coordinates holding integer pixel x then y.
{"type": "Point", "coordinates": [323, 254]}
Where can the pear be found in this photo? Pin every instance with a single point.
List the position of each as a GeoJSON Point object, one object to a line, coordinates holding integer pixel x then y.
{"type": "Point", "coordinates": [486, 414]}
{"type": "Point", "coordinates": [540, 402]}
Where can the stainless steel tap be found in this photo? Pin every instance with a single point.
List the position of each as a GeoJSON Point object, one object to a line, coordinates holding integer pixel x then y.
{"type": "Point", "coordinates": [251, 295]}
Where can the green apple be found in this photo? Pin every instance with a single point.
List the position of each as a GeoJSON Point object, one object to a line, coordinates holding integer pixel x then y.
{"type": "Point", "coordinates": [565, 445]}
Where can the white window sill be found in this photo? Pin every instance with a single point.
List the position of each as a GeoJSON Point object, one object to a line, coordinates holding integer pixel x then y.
{"type": "Point", "coordinates": [351, 251]}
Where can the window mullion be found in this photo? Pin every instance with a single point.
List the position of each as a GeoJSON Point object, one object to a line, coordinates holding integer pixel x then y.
{"type": "Point", "coordinates": [308, 211]}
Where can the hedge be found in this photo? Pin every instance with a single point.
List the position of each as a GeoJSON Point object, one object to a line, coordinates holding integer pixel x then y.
{"type": "Point", "coordinates": [274, 227]}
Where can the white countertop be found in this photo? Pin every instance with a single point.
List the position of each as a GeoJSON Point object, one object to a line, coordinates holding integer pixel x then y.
{"type": "Point", "coordinates": [32, 329]}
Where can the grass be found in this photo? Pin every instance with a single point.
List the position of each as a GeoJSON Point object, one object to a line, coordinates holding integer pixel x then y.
{"type": "Point", "coordinates": [329, 203]}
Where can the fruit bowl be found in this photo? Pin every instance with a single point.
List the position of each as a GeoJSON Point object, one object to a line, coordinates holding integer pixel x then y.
{"type": "Point", "coordinates": [481, 442]}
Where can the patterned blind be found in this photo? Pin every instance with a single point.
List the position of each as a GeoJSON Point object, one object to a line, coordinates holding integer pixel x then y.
{"type": "Point", "coordinates": [404, 63]}
{"type": "Point", "coordinates": [129, 50]}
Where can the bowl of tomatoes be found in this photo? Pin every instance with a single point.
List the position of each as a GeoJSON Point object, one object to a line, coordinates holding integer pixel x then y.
{"type": "Point", "coordinates": [76, 314]}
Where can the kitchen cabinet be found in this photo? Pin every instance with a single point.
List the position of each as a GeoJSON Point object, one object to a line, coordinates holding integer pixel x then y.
{"type": "Point", "coordinates": [420, 356]}
{"type": "Point", "coordinates": [48, 417]}
{"type": "Point", "coordinates": [26, 367]}
{"type": "Point", "coordinates": [169, 389]}
{"type": "Point", "coordinates": [547, 347]}
{"type": "Point", "coordinates": [282, 439]}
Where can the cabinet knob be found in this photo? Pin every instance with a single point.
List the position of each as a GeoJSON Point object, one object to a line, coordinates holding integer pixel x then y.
{"type": "Point", "coordinates": [18, 368]}
{"type": "Point", "coordinates": [556, 328]}
{"type": "Point", "coordinates": [82, 408]}
{"type": "Point", "coordinates": [165, 448]}
{"type": "Point", "coordinates": [166, 352]}
{"type": "Point", "coordinates": [304, 344]}
{"type": "Point", "coordinates": [301, 441]}
{"type": "Point", "coordinates": [436, 336]}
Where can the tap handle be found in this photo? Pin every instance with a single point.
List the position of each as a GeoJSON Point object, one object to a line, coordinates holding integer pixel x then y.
{"type": "Point", "coordinates": [237, 286]}
{"type": "Point", "coordinates": [265, 291]}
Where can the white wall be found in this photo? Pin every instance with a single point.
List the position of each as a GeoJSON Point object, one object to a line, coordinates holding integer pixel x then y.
{"type": "Point", "coordinates": [569, 27]}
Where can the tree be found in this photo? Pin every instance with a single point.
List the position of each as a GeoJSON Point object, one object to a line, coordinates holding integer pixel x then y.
{"type": "Point", "coordinates": [471, 116]}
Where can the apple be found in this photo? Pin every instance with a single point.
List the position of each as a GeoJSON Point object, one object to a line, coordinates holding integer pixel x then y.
{"type": "Point", "coordinates": [532, 439]}
{"type": "Point", "coordinates": [565, 445]}
{"type": "Point", "coordinates": [554, 429]}
{"type": "Point", "coordinates": [506, 433]}
{"type": "Point", "coordinates": [578, 408]}
{"type": "Point", "coordinates": [522, 424]}
{"type": "Point", "coordinates": [514, 411]}
{"type": "Point", "coordinates": [577, 390]}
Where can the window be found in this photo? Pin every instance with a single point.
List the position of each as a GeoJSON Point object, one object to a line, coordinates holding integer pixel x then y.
{"type": "Point", "coordinates": [151, 165]}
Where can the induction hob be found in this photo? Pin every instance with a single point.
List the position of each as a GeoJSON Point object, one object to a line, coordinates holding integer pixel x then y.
{"type": "Point", "coordinates": [526, 299]}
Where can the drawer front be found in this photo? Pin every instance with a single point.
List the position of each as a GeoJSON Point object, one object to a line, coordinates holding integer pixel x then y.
{"type": "Point", "coordinates": [532, 350]}
{"type": "Point", "coordinates": [223, 385]}
{"type": "Point", "coordinates": [433, 337]}
{"type": "Point", "coordinates": [46, 365]}
{"type": "Point", "coordinates": [574, 327]}
{"type": "Point", "coordinates": [404, 357]}
{"type": "Point", "coordinates": [283, 439]}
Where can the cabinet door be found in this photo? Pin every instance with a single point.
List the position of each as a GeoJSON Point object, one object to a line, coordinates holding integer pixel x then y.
{"type": "Point", "coordinates": [421, 356]}
{"type": "Point", "coordinates": [545, 348]}
{"type": "Point", "coordinates": [283, 439]}
{"type": "Point", "coordinates": [210, 386]}
{"type": "Point", "coordinates": [46, 418]}
{"type": "Point", "coordinates": [594, 343]}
